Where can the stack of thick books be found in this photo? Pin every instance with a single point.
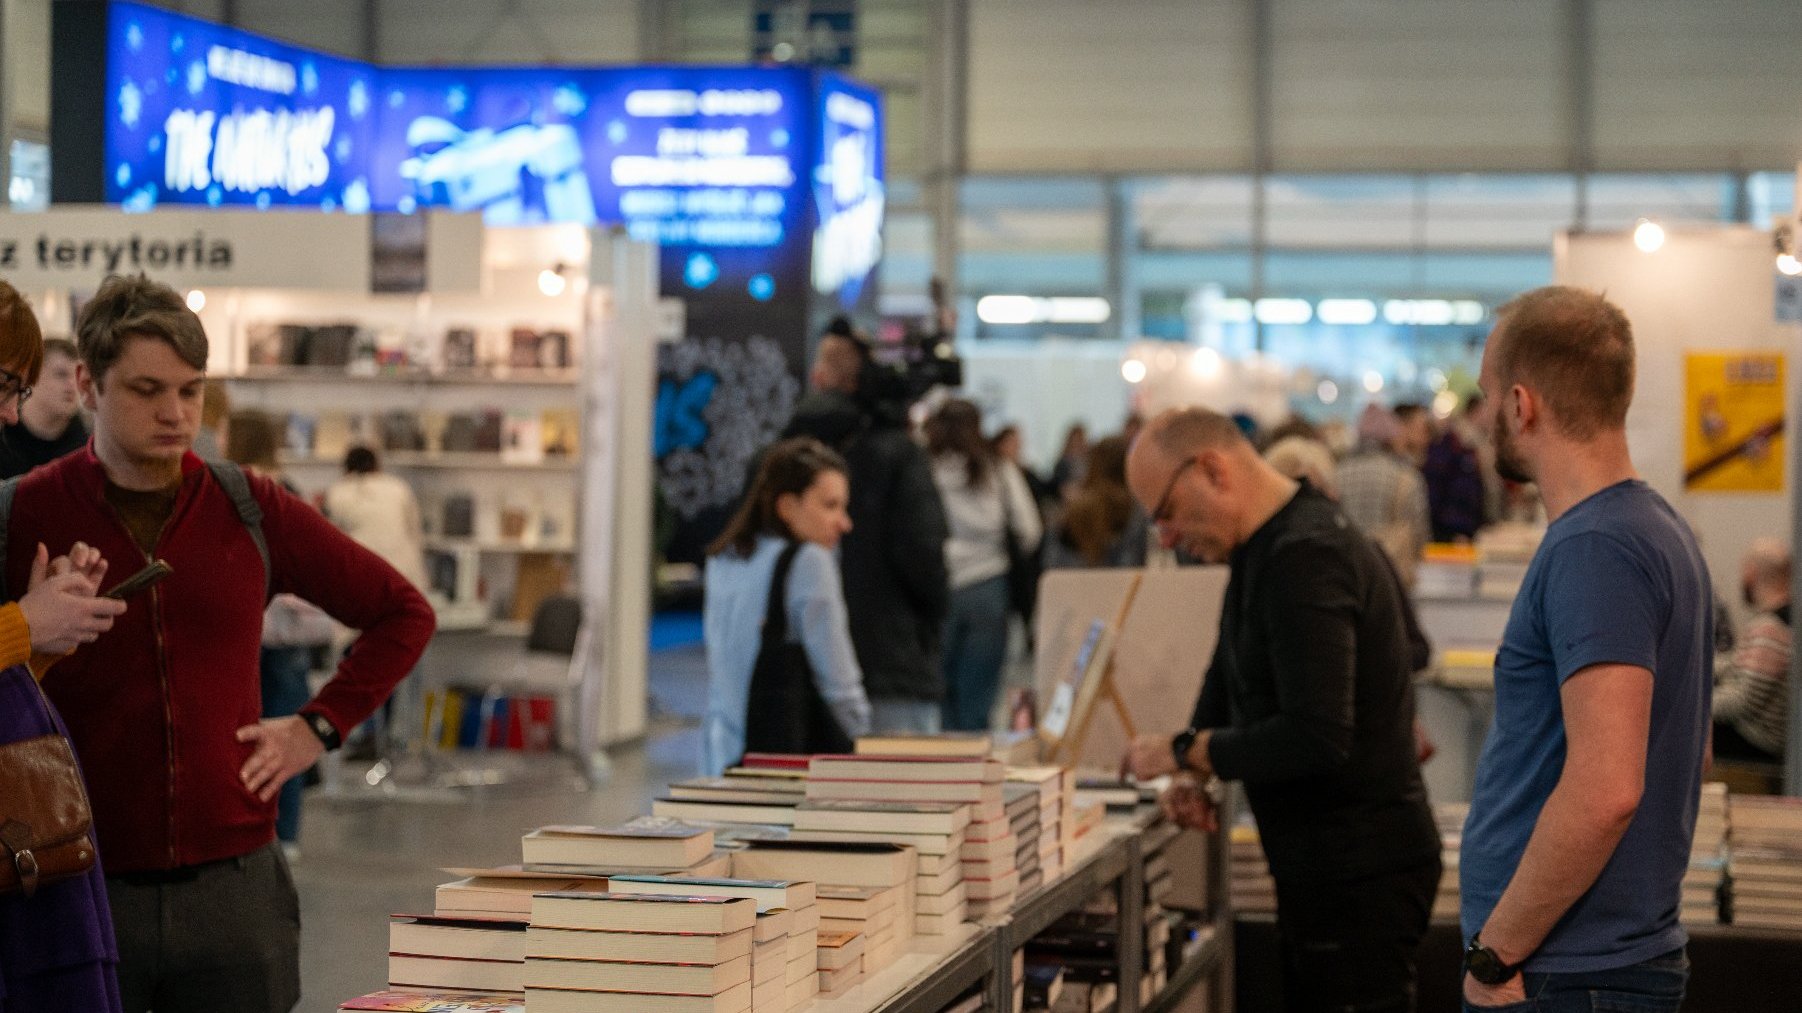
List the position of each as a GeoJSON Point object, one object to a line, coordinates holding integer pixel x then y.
{"type": "Point", "coordinates": [885, 869]}
{"type": "Point", "coordinates": [869, 912]}
{"type": "Point", "coordinates": [934, 829]}
{"type": "Point", "coordinates": [841, 962]}
{"type": "Point", "coordinates": [504, 892]}
{"type": "Point", "coordinates": [989, 849]}
{"type": "Point", "coordinates": [798, 919]}
{"type": "Point", "coordinates": [1449, 817]}
{"type": "Point", "coordinates": [1705, 882]}
{"type": "Point", "coordinates": [1765, 866]}
{"type": "Point", "coordinates": [429, 953]}
{"type": "Point", "coordinates": [1250, 886]}
{"type": "Point", "coordinates": [648, 845]}
{"type": "Point", "coordinates": [1057, 789]}
{"type": "Point", "coordinates": [1021, 803]}
{"type": "Point", "coordinates": [639, 953]}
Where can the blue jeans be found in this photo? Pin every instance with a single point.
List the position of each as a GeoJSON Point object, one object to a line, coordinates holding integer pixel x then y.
{"type": "Point", "coordinates": [975, 649]}
{"type": "Point", "coordinates": [284, 672]}
{"type": "Point", "coordinates": [1655, 986]}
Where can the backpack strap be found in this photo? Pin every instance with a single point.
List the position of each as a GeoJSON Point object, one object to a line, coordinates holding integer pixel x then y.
{"type": "Point", "coordinates": [775, 615]}
{"type": "Point", "coordinates": [8, 490]}
{"type": "Point", "coordinates": [231, 478]}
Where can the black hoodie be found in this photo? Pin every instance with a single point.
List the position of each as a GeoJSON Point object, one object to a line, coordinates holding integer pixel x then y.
{"type": "Point", "coordinates": [896, 589]}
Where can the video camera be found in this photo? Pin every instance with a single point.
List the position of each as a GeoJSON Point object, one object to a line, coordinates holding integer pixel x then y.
{"type": "Point", "coordinates": [892, 379]}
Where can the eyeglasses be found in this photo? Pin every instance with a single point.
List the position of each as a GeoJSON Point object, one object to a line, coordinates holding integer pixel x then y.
{"type": "Point", "coordinates": [13, 385]}
{"type": "Point", "coordinates": [1162, 514]}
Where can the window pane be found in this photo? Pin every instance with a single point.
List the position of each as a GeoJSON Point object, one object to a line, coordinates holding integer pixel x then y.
{"type": "Point", "coordinates": [1193, 212]}
{"type": "Point", "coordinates": [1342, 212]}
{"type": "Point", "coordinates": [1618, 200]}
{"type": "Point", "coordinates": [1490, 211]}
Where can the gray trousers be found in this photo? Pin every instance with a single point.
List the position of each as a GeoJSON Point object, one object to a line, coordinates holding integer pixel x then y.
{"type": "Point", "coordinates": [213, 937]}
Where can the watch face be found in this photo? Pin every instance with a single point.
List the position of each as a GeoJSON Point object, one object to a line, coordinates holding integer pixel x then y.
{"type": "Point", "coordinates": [1485, 966]}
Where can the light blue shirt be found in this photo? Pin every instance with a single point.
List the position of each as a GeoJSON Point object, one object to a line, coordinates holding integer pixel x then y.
{"type": "Point", "coordinates": [738, 591]}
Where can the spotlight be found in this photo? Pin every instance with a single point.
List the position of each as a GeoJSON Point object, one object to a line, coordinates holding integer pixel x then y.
{"type": "Point", "coordinates": [1132, 371]}
{"type": "Point", "coordinates": [196, 300]}
{"type": "Point", "coordinates": [1648, 235]}
{"type": "Point", "coordinates": [551, 281]}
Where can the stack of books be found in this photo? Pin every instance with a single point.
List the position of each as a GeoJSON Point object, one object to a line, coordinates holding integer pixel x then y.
{"type": "Point", "coordinates": [1765, 864]}
{"type": "Point", "coordinates": [886, 869]}
{"type": "Point", "coordinates": [1057, 832]}
{"type": "Point", "coordinates": [647, 845]}
{"type": "Point", "coordinates": [871, 912]}
{"type": "Point", "coordinates": [989, 849]}
{"type": "Point", "coordinates": [429, 953]}
{"type": "Point", "coordinates": [798, 922]}
{"type": "Point", "coordinates": [840, 962]}
{"type": "Point", "coordinates": [1449, 817]}
{"type": "Point", "coordinates": [1705, 881]}
{"type": "Point", "coordinates": [504, 892]}
{"type": "Point", "coordinates": [1250, 886]}
{"type": "Point", "coordinates": [935, 830]}
{"type": "Point", "coordinates": [1021, 803]}
{"type": "Point", "coordinates": [639, 953]}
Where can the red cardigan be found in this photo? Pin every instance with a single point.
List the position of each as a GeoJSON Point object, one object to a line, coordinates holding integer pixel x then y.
{"type": "Point", "coordinates": [154, 705]}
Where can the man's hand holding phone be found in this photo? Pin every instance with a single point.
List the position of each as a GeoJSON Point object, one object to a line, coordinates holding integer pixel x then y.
{"type": "Point", "coordinates": [61, 606]}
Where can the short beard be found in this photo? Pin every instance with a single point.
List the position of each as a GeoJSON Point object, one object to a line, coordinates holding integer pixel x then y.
{"type": "Point", "coordinates": [1508, 462]}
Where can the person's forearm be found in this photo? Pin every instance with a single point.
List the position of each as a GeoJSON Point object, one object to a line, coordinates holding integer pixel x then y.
{"type": "Point", "coordinates": [1571, 844]}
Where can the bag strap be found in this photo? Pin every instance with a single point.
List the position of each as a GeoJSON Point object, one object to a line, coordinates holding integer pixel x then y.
{"type": "Point", "coordinates": [7, 491]}
{"type": "Point", "coordinates": [775, 614]}
{"type": "Point", "coordinates": [231, 478]}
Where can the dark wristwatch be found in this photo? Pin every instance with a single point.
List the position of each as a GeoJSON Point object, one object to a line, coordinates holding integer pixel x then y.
{"type": "Point", "coordinates": [328, 736]}
{"type": "Point", "coordinates": [1181, 743]}
{"type": "Point", "coordinates": [1485, 966]}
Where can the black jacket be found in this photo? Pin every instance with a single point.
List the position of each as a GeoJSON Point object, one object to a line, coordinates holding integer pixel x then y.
{"type": "Point", "coordinates": [896, 588]}
{"type": "Point", "coordinates": [1311, 698]}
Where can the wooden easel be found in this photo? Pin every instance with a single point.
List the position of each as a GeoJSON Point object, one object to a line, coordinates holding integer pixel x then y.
{"type": "Point", "coordinates": [1069, 746]}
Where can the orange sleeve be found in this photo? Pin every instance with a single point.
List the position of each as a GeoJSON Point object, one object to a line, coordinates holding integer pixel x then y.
{"type": "Point", "coordinates": [15, 636]}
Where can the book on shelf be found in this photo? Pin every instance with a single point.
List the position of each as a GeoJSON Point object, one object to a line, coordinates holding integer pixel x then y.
{"type": "Point", "coordinates": [936, 818]}
{"type": "Point", "coordinates": [402, 430]}
{"type": "Point", "coordinates": [837, 982]}
{"type": "Point", "coordinates": [772, 925]}
{"type": "Point", "coordinates": [408, 1000]}
{"type": "Point", "coordinates": [459, 349]}
{"type": "Point", "coordinates": [646, 842]}
{"type": "Point", "coordinates": [643, 912]}
{"type": "Point", "coordinates": [560, 433]}
{"type": "Point", "coordinates": [736, 789]}
{"type": "Point", "coordinates": [299, 433]}
{"type": "Point", "coordinates": [522, 349]}
{"type": "Point", "coordinates": [334, 433]}
{"type": "Point", "coordinates": [938, 904]}
{"type": "Point", "coordinates": [488, 896]}
{"type": "Point", "coordinates": [554, 350]}
{"type": "Point", "coordinates": [719, 863]}
{"type": "Point", "coordinates": [682, 948]}
{"type": "Point", "coordinates": [971, 792]}
{"type": "Point", "coordinates": [769, 894]}
{"type": "Point", "coordinates": [777, 813]}
{"type": "Point", "coordinates": [465, 938]}
{"type": "Point", "coordinates": [871, 767]}
{"type": "Point", "coordinates": [878, 865]}
{"type": "Point", "coordinates": [522, 441]}
{"type": "Point", "coordinates": [770, 996]}
{"type": "Point", "coordinates": [802, 991]}
{"type": "Point", "coordinates": [803, 966]}
{"type": "Point", "coordinates": [948, 744]}
{"type": "Point", "coordinates": [408, 971]}
{"type": "Point", "coordinates": [769, 961]}
{"type": "Point", "coordinates": [796, 763]}
{"type": "Point", "coordinates": [637, 976]}
{"type": "Point", "coordinates": [802, 944]}
{"type": "Point", "coordinates": [556, 1000]}
{"type": "Point", "coordinates": [928, 845]}
{"type": "Point", "coordinates": [853, 901]}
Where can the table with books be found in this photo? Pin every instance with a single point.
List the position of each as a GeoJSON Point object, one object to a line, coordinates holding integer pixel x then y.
{"type": "Point", "coordinates": [898, 880]}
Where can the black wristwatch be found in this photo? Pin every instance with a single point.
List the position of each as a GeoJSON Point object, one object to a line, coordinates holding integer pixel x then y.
{"type": "Point", "coordinates": [1181, 743]}
{"type": "Point", "coordinates": [1485, 966]}
{"type": "Point", "coordinates": [328, 736]}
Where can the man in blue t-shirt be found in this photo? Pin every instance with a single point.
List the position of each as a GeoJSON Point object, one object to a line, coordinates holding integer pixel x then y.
{"type": "Point", "coordinates": [1585, 802]}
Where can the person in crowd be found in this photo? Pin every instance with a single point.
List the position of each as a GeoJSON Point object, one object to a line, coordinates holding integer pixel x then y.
{"type": "Point", "coordinates": [215, 418]}
{"type": "Point", "coordinates": [1751, 681]}
{"type": "Point", "coordinates": [49, 424]}
{"type": "Point", "coordinates": [799, 498]}
{"type": "Point", "coordinates": [893, 559]}
{"type": "Point", "coordinates": [1010, 446]}
{"type": "Point", "coordinates": [164, 710]}
{"type": "Point", "coordinates": [985, 499]}
{"type": "Point", "coordinates": [1101, 525]}
{"type": "Point", "coordinates": [1068, 470]}
{"type": "Point", "coordinates": [380, 511]}
{"type": "Point", "coordinates": [1007, 446]}
{"type": "Point", "coordinates": [57, 953]}
{"type": "Point", "coordinates": [1575, 848]}
{"type": "Point", "coordinates": [1294, 425]}
{"type": "Point", "coordinates": [1308, 703]}
{"type": "Point", "coordinates": [292, 628]}
{"type": "Point", "coordinates": [1456, 496]}
{"type": "Point", "coordinates": [1381, 488]}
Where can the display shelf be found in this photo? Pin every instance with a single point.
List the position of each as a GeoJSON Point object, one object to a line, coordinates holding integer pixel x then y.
{"type": "Point", "coordinates": [926, 979]}
{"type": "Point", "coordinates": [459, 461]}
{"type": "Point", "coordinates": [1088, 875]}
{"type": "Point", "coordinates": [1196, 966]}
{"type": "Point", "coordinates": [418, 378]}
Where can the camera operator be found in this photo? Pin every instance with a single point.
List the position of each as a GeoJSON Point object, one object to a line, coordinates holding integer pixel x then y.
{"type": "Point", "coordinates": [893, 559]}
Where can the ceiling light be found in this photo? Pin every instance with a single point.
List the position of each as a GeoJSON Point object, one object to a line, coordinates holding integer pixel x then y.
{"type": "Point", "coordinates": [1349, 312]}
{"type": "Point", "coordinates": [1373, 381]}
{"type": "Point", "coordinates": [1283, 311]}
{"type": "Point", "coordinates": [1648, 235]}
{"type": "Point", "coordinates": [1207, 363]}
{"type": "Point", "coordinates": [196, 300]}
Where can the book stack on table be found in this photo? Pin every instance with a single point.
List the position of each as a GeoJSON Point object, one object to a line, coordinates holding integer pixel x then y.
{"type": "Point", "coordinates": [1021, 803]}
{"type": "Point", "coordinates": [1706, 879]}
{"type": "Point", "coordinates": [935, 830]}
{"type": "Point", "coordinates": [1449, 817]}
{"type": "Point", "coordinates": [1765, 864]}
{"type": "Point", "coordinates": [1056, 788]}
{"type": "Point", "coordinates": [788, 920]}
{"type": "Point", "coordinates": [840, 962]}
{"type": "Point", "coordinates": [639, 953]}
{"type": "Point", "coordinates": [885, 870]}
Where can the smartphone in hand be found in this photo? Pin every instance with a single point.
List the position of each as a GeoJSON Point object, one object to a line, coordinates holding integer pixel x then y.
{"type": "Point", "coordinates": [143, 580]}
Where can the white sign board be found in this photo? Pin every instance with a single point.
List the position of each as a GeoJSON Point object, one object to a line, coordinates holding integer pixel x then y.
{"type": "Point", "coordinates": [77, 247]}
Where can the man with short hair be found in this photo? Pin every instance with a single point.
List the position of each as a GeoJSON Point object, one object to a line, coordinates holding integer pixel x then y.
{"type": "Point", "coordinates": [897, 591]}
{"type": "Point", "coordinates": [1308, 703]}
{"type": "Point", "coordinates": [49, 423]}
{"type": "Point", "coordinates": [164, 709]}
{"type": "Point", "coordinates": [1585, 802]}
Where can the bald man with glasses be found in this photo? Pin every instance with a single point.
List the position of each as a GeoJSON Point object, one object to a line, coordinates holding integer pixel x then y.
{"type": "Point", "coordinates": [1308, 703]}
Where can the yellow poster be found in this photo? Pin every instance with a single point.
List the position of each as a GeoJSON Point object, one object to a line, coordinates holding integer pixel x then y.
{"type": "Point", "coordinates": [1733, 424]}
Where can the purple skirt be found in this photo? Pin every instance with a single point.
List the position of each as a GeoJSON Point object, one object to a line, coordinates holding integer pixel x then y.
{"type": "Point", "coordinates": [56, 949]}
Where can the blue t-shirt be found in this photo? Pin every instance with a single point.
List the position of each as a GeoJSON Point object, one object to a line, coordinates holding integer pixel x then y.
{"type": "Point", "coordinates": [1618, 580]}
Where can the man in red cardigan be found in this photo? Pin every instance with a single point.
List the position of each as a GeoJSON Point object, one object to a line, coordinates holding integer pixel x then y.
{"type": "Point", "coordinates": [164, 709]}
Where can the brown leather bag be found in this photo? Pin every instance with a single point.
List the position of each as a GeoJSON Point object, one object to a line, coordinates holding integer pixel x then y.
{"type": "Point", "coordinates": [45, 823]}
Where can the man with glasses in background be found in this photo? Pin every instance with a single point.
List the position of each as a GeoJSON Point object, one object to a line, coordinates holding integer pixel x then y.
{"type": "Point", "coordinates": [1308, 703]}
{"type": "Point", "coordinates": [49, 423]}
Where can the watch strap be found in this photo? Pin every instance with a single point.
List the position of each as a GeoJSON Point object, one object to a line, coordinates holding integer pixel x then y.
{"type": "Point", "coordinates": [323, 728]}
{"type": "Point", "coordinates": [1180, 744]}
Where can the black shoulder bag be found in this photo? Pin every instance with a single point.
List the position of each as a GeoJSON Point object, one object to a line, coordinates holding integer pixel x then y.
{"type": "Point", "coordinates": [786, 713]}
